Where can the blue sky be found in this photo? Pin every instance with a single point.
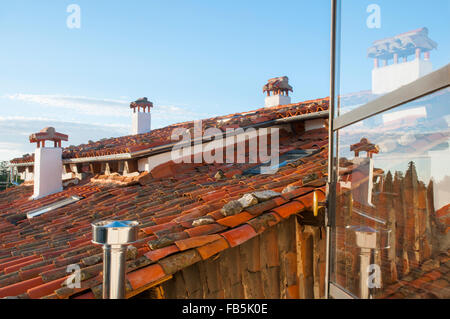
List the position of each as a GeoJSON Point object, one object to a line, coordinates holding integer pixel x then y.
{"type": "Point", "coordinates": [192, 58]}
{"type": "Point", "coordinates": [397, 16]}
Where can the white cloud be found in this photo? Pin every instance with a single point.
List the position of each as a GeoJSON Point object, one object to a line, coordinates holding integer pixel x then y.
{"type": "Point", "coordinates": [16, 119]}
{"type": "Point", "coordinates": [162, 115]}
{"type": "Point", "coordinates": [14, 132]}
{"type": "Point", "coordinates": [97, 119]}
{"type": "Point", "coordinates": [79, 104]}
{"type": "Point", "coordinates": [8, 145]}
{"type": "Point", "coordinates": [7, 154]}
{"type": "Point", "coordinates": [10, 150]}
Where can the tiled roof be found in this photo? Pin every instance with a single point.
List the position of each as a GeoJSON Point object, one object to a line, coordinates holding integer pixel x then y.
{"type": "Point", "coordinates": [159, 137]}
{"type": "Point", "coordinates": [182, 220]}
{"type": "Point", "coordinates": [429, 281]}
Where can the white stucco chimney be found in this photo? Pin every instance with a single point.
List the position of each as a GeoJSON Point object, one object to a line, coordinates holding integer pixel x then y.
{"type": "Point", "coordinates": [47, 162]}
{"type": "Point", "coordinates": [141, 120]}
{"type": "Point", "coordinates": [279, 87]}
{"type": "Point", "coordinates": [389, 77]}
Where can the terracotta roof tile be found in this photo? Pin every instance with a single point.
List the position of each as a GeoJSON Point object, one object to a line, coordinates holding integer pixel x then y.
{"type": "Point", "coordinates": [433, 275]}
{"type": "Point", "coordinates": [429, 281]}
{"type": "Point", "coordinates": [217, 214]}
{"type": "Point", "coordinates": [152, 229]}
{"type": "Point", "coordinates": [265, 206]}
{"type": "Point", "coordinates": [235, 220]}
{"type": "Point", "coordinates": [145, 276]}
{"type": "Point", "coordinates": [65, 292]}
{"type": "Point", "coordinates": [264, 221]}
{"type": "Point", "coordinates": [155, 255]}
{"type": "Point", "coordinates": [307, 200]}
{"type": "Point", "coordinates": [289, 209]}
{"type": "Point", "coordinates": [45, 289]}
{"type": "Point", "coordinates": [31, 273]}
{"type": "Point", "coordinates": [239, 235]}
{"type": "Point", "coordinates": [15, 267]}
{"type": "Point", "coordinates": [205, 230]}
{"type": "Point", "coordinates": [16, 261]}
{"type": "Point", "coordinates": [213, 248]}
{"type": "Point", "coordinates": [87, 295]}
{"type": "Point", "coordinates": [179, 261]}
{"type": "Point", "coordinates": [20, 287]}
{"type": "Point", "coordinates": [196, 241]}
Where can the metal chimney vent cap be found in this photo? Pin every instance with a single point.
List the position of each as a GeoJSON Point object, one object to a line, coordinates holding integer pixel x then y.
{"type": "Point", "coordinates": [115, 232]}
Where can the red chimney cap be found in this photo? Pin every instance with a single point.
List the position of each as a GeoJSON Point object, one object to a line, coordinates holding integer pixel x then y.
{"type": "Point", "coordinates": [48, 134]}
{"type": "Point", "coordinates": [364, 146]}
{"type": "Point", "coordinates": [278, 83]}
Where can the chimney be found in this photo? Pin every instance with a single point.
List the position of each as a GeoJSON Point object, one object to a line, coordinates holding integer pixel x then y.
{"type": "Point", "coordinates": [279, 88]}
{"type": "Point", "coordinates": [362, 175]}
{"type": "Point", "coordinates": [141, 119]}
{"type": "Point", "coordinates": [115, 236]}
{"type": "Point", "coordinates": [388, 77]}
{"type": "Point", "coordinates": [47, 162]}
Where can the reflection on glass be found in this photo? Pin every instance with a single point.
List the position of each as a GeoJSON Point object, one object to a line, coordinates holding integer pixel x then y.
{"type": "Point", "coordinates": [385, 44]}
{"type": "Point", "coordinates": [405, 51]}
{"type": "Point", "coordinates": [392, 234]}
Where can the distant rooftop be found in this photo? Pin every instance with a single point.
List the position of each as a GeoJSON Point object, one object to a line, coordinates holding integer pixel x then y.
{"type": "Point", "coordinates": [160, 137]}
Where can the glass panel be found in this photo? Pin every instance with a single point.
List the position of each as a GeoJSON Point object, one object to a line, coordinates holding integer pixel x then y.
{"type": "Point", "coordinates": [392, 224]}
{"type": "Point", "coordinates": [386, 44]}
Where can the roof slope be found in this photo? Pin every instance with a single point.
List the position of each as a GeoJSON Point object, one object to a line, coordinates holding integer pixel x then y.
{"type": "Point", "coordinates": [181, 217]}
{"type": "Point", "coordinates": [429, 281]}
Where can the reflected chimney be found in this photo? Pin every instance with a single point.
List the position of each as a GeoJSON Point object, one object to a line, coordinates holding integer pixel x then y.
{"type": "Point", "coordinates": [362, 177]}
{"type": "Point", "coordinates": [389, 77]}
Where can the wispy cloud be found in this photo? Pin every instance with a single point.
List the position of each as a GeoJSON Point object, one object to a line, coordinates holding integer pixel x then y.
{"type": "Point", "coordinates": [10, 150]}
{"type": "Point", "coordinates": [9, 146]}
{"type": "Point", "coordinates": [14, 132]}
{"type": "Point", "coordinates": [161, 114]}
{"type": "Point", "coordinates": [17, 119]}
{"type": "Point", "coordinates": [79, 104]}
{"type": "Point", "coordinates": [97, 118]}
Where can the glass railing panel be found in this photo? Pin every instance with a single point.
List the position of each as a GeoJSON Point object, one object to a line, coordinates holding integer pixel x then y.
{"type": "Point", "coordinates": [392, 225]}
{"type": "Point", "coordinates": [385, 44]}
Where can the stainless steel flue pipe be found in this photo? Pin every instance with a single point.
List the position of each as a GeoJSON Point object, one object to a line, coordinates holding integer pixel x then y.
{"type": "Point", "coordinates": [115, 236]}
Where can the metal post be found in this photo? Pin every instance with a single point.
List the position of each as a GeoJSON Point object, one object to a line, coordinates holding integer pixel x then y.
{"type": "Point", "coordinates": [8, 178]}
{"type": "Point", "coordinates": [114, 271]}
{"type": "Point", "coordinates": [106, 271]}
{"type": "Point", "coordinates": [115, 237]}
{"type": "Point", "coordinates": [331, 111]}
{"type": "Point", "coordinates": [364, 265]}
